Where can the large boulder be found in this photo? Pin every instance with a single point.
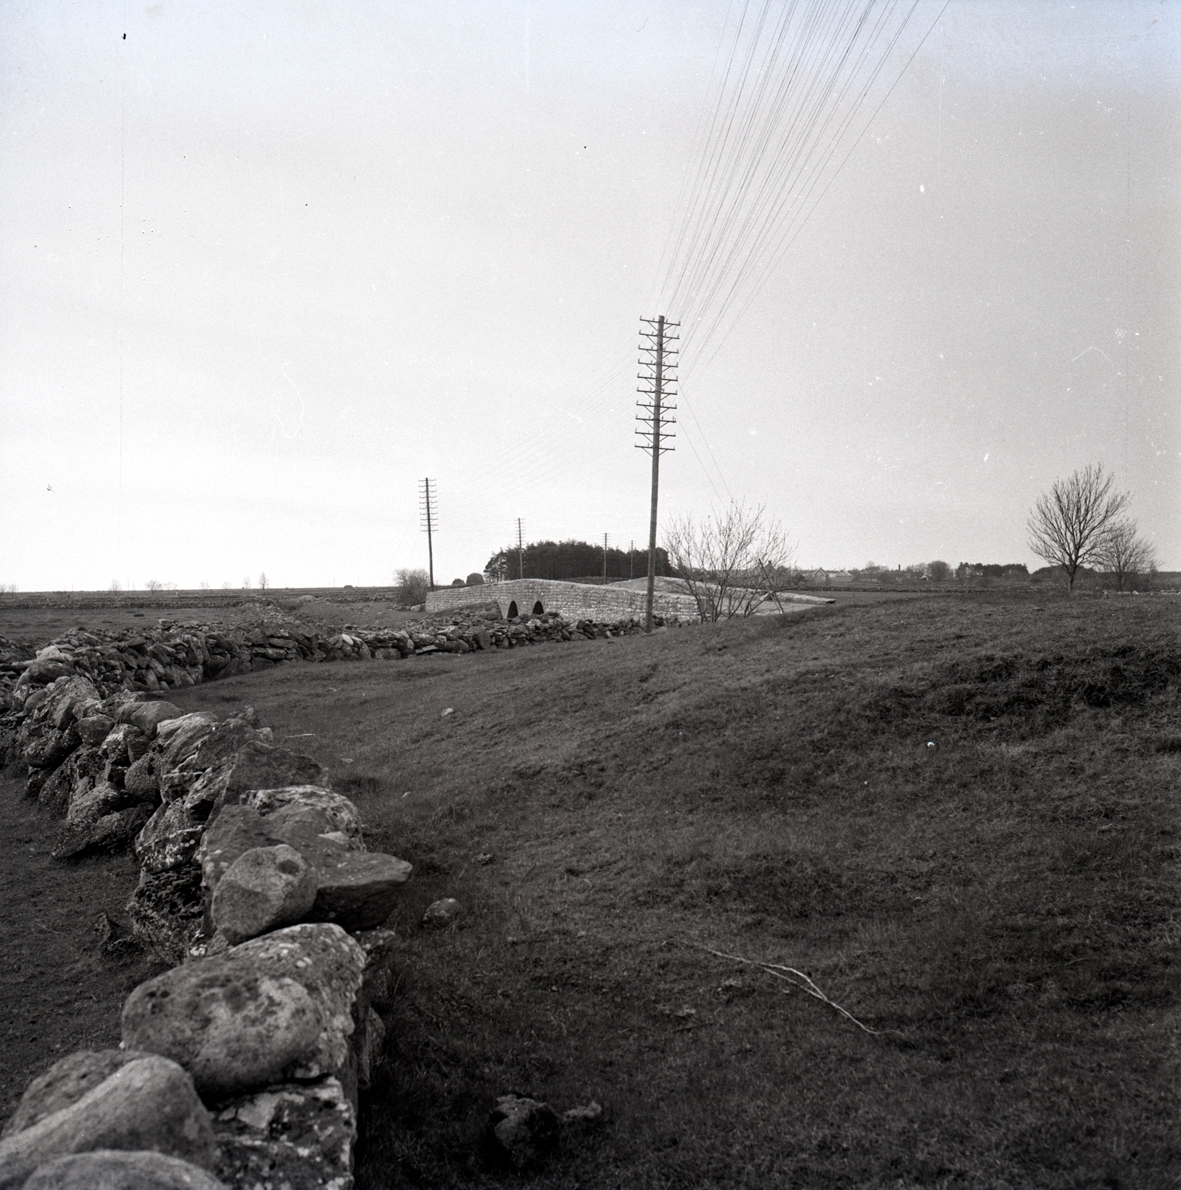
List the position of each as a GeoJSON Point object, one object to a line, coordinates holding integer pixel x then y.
{"type": "Point", "coordinates": [48, 750]}
{"type": "Point", "coordinates": [356, 889]}
{"type": "Point", "coordinates": [142, 779]}
{"type": "Point", "coordinates": [235, 830]}
{"type": "Point", "coordinates": [124, 744]}
{"type": "Point", "coordinates": [47, 669]}
{"type": "Point", "coordinates": [277, 1005]}
{"type": "Point", "coordinates": [148, 1104]}
{"type": "Point", "coordinates": [110, 1169]}
{"type": "Point", "coordinates": [81, 769]}
{"type": "Point", "coordinates": [262, 766]}
{"type": "Point", "coordinates": [255, 765]}
{"type": "Point", "coordinates": [95, 728]}
{"type": "Point", "coordinates": [65, 1082]}
{"type": "Point", "coordinates": [88, 803]}
{"type": "Point", "coordinates": [263, 889]}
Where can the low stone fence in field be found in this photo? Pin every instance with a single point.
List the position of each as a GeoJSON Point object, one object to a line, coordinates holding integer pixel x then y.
{"type": "Point", "coordinates": [241, 1065]}
{"type": "Point", "coordinates": [173, 655]}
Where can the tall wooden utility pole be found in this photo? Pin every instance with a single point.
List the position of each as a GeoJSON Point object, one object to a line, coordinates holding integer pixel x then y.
{"type": "Point", "coordinates": [428, 512]}
{"type": "Point", "coordinates": [520, 550]}
{"type": "Point", "coordinates": [658, 372]}
{"type": "Point", "coordinates": [604, 559]}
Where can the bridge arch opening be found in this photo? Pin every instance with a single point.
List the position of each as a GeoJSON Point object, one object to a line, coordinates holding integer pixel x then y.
{"type": "Point", "coordinates": [538, 610]}
{"type": "Point", "coordinates": [512, 610]}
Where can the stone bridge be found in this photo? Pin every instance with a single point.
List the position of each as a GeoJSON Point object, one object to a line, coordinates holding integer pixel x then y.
{"type": "Point", "coordinates": [575, 601]}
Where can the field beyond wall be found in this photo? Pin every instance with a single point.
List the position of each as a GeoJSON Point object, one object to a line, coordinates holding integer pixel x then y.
{"type": "Point", "coordinates": [958, 815]}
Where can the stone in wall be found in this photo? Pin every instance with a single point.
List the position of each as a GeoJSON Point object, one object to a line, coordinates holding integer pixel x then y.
{"type": "Point", "coordinates": [149, 1103]}
{"type": "Point", "coordinates": [279, 1004]}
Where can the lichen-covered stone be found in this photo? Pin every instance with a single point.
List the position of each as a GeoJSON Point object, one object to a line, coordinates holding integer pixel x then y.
{"type": "Point", "coordinates": [168, 840]}
{"type": "Point", "coordinates": [236, 1021]}
{"type": "Point", "coordinates": [289, 806]}
{"type": "Point", "coordinates": [95, 728]}
{"type": "Point", "coordinates": [166, 912]}
{"type": "Point", "coordinates": [357, 889]}
{"type": "Point", "coordinates": [232, 1026]}
{"type": "Point", "coordinates": [295, 1135]}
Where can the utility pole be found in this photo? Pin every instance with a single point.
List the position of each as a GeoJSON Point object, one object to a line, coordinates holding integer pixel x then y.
{"type": "Point", "coordinates": [604, 559]}
{"type": "Point", "coordinates": [520, 549]}
{"type": "Point", "coordinates": [631, 559]}
{"type": "Point", "coordinates": [658, 373]}
{"type": "Point", "coordinates": [428, 511]}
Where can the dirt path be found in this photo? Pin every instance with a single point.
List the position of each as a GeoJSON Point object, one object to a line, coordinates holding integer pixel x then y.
{"type": "Point", "coordinates": [58, 991]}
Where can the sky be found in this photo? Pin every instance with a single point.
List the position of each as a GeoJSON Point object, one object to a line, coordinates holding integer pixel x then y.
{"type": "Point", "coordinates": [267, 266]}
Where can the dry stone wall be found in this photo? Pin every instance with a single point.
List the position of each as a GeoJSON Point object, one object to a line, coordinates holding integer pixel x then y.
{"type": "Point", "coordinates": [241, 1065]}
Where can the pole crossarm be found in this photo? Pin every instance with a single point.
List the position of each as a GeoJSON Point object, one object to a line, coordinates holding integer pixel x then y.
{"type": "Point", "coordinates": [658, 364]}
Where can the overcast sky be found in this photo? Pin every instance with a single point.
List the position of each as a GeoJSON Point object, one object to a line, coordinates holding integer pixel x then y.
{"type": "Point", "coordinates": [268, 264]}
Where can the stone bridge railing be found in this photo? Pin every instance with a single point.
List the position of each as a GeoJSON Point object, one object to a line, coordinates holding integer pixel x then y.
{"type": "Point", "coordinates": [575, 601]}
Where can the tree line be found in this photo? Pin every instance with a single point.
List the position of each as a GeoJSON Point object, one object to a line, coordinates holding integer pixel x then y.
{"type": "Point", "coordinates": [568, 560]}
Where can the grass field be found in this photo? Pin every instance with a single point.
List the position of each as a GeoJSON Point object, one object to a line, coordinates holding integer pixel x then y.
{"type": "Point", "coordinates": [958, 816]}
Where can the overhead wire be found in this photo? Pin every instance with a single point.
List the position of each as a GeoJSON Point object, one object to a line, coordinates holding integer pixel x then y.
{"type": "Point", "coordinates": [788, 82]}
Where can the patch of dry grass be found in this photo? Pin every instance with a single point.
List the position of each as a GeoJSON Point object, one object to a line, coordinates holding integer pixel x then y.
{"type": "Point", "coordinates": [1005, 901]}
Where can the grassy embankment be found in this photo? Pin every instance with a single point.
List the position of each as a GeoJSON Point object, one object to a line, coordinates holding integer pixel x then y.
{"type": "Point", "coordinates": [959, 817]}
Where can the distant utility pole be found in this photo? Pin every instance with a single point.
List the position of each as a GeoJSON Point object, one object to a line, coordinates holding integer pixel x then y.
{"type": "Point", "coordinates": [520, 549]}
{"type": "Point", "coordinates": [604, 557]}
{"type": "Point", "coordinates": [658, 364]}
{"type": "Point", "coordinates": [631, 559]}
{"type": "Point", "coordinates": [428, 511]}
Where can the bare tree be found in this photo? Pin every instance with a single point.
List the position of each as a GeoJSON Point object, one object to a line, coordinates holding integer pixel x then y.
{"type": "Point", "coordinates": [116, 585]}
{"type": "Point", "coordinates": [732, 562]}
{"type": "Point", "coordinates": [153, 584]}
{"type": "Point", "coordinates": [1124, 554]}
{"type": "Point", "coordinates": [412, 586]}
{"type": "Point", "coordinates": [262, 581]}
{"type": "Point", "coordinates": [1070, 522]}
